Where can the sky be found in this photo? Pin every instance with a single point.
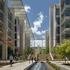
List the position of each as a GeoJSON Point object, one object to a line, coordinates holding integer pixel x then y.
{"type": "Point", "coordinates": [38, 15]}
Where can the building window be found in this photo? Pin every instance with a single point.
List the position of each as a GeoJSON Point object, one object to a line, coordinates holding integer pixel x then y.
{"type": "Point", "coordinates": [58, 39]}
{"type": "Point", "coordinates": [67, 25]}
{"type": "Point", "coordinates": [15, 29]}
{"type": "Point", "coordinates": [58, 30]}
{"type": "Point", "coordinates": [2, 5]}
{"type": "Point", "coordinates": [67, 36]}
{"type": "Point", "coordinates": [15, 43]}
{"type": "Point", "coordinates": [58, 20]}
{"type": "Point", "coordinates": [15, 36]}
{"type": "Point", "coordinates": [67, 2]}
{"type": "Point", "coordinates": [57, 11]}
{"type": "Point", "coordinates": [67, 12]}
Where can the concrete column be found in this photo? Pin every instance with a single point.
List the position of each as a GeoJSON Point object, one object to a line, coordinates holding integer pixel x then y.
{"type": "Point", "coordinates": [4, 48]}
{"type": "Point", "coordinates": [4, 53]}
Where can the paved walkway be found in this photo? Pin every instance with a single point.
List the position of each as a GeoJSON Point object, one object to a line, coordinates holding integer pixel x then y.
{"type": "Point", "coordinates": [60, 64]}
{"type": "Point", "coordinates": [17, 66]}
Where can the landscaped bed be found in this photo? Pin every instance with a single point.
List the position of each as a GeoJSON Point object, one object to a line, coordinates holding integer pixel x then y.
{"type": "Point", "coordinates": [54, 66]}
{"type": "Point", "coordinates": [68, 64]}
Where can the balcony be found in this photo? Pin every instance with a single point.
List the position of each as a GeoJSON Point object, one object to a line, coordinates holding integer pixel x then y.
{"type": "Point", "coordinates": [66, 25]}
{"type": "Point", "coordinates": [66, 20]}
{"type": "Point", "coordinates": [67, 30]}
{"type": "Point", "coordinates": [67, 35]}
{"type": "Point", "coordinates": [64, 6]}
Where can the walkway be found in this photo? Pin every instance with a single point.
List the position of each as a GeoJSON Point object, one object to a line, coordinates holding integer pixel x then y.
{"type": "Point", "coordinates": [16, 66]}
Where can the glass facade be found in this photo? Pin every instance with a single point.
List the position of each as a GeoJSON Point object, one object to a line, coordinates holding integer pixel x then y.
{"type": "Point", "coordinates": [67, 2]}
{"type": "Point", "coordinates": [58, 20]}
{"type": "Point", "coordinates": [58, 30]}
{"type": "Point", "coordinates": [57, 11]}
{"type": "Point", "coordinates": [2, 5]}
{"type": "Point", "coordinates": [58, 24]}
{"type": "Point", "coordinates": [65, 16]}
{"type": "Point", "coordinates": [67, 12]}
{"type": "Point", "coordinates": [1, 26]}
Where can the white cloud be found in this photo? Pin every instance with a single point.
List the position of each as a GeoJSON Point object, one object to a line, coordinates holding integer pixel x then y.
{"type": "Point", "coordinates": [43, 36]}
{"type": "Point", "coordinates": [40, 32]}
{"type": "Point", "coordinates": [37, 24]}
{"type": "Point", "coordinates": [43, 32]}
{"type": "Point", "coordinates": [39, 20]}
{"type": "Point", "coordinates": [27, 8]}
{"type": "Point", "coordinates": [34, 29]}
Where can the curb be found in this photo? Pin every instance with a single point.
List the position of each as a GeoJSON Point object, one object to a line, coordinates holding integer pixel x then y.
{"type": "Point", "coordinates": [27, 68]}
{"type": "Point", "coordinates": [56, 67]}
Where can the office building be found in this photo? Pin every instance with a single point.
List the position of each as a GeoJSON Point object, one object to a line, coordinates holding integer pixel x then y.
{"type": "Point", "coordinates": [14, 28]}
{"type": "Point", "coordinates": [65, 19]}
{"type": "Point", "coordinates": [17, 36]}
{"type": "Point", "coordinates": [2, 6]}
{"type": "Point", "coordinates": [54, 25]}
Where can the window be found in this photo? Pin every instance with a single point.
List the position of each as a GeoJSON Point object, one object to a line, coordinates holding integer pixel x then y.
{"type": "Point", "coordinates": [58, 39]}
{"type": "Point", "coordinates": [67, 36]}
{"type": "Point", "coordinates": [58, 30]}
{"type": "Point", "coordinates": [67, 25]}
{"type": "Point", "coordinates": [58, 20]}
{"type": "Point", "coordinates": [57, 11]}
{"type": "Point", "coordinates": [67, 2]}
{"type": "Point", "coordinates": [15, 36]}
{"type": "Point", "coordinates": [2, 5]}
{"type": "Point", "coordinates": [67, 12]}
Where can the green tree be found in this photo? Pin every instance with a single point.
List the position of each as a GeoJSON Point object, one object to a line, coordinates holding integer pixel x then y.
{"type": "Point", "coordinates": [47, 50]}
{"type": "Point", "coordinates": [63, 49]}
{"type": "Point", "coordinates": [27, 51]}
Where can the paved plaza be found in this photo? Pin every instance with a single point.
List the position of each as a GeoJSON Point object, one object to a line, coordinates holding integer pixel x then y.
{"type": "Point", "coordinates": [16, 66]}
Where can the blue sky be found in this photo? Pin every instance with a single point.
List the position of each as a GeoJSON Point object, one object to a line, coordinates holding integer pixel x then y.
{"type": "Point", "coordinates": [38, 14]}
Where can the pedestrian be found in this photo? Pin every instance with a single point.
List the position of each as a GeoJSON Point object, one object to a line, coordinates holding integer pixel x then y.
{"type": "Point", "coordinates": [29, 57]}
{"type": "Point", "coordinates": [11, 60]}
{"type": "Point", "coordinates": [32, 59]}
{"type": "Point", "coordinates": [66, 59]}
{"type": "Point", "coordinates": [35, 59]}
